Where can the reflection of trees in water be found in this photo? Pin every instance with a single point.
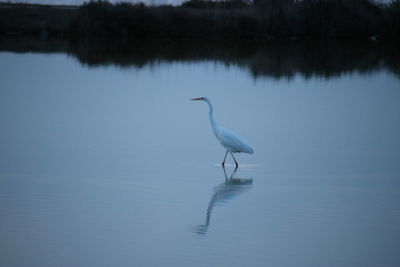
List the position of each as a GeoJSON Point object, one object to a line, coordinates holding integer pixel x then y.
{"type": "Point", "coordinates": [270, 59]}
{"type": "Point", "coordinates": [222, 193]}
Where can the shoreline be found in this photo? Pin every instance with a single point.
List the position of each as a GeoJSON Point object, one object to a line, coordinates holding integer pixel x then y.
{"type": "Point", "coordinates": [278, 60]}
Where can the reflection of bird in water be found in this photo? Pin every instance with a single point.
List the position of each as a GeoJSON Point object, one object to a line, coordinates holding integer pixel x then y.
{"type": "Point", "coordinates": [229, 140]}
{"type": "Point", "coordinates": [222, 193]}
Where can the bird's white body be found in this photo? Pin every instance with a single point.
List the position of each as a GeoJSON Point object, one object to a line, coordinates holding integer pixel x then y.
{"type": "Point", "coordinates": [228, 139]}
{"type": "Point", "coordinates": [232, 142]}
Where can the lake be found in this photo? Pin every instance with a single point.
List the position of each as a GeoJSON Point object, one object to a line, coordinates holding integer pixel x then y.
{"type": "Point", "coordinates": [105, 161]}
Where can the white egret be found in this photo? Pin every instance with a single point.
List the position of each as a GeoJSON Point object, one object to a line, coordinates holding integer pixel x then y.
{"type": "Point", "coordinates": [229, 140]}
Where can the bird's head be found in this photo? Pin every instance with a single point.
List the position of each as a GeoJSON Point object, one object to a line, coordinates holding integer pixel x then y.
{"type": "Point", "coordinates": [199, 98]}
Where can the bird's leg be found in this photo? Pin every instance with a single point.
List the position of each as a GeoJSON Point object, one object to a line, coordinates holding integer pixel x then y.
{"type": "Point", "coordinates": [226, 177]}
{"type": "Point", "coordinates": [234, 171]}
{"type": "Point", "coordinates": [223, 163]}
{"type": "Point", "coordinates": [234, 160]}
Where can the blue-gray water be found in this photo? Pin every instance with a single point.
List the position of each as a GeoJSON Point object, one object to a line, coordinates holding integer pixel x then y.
{"type": "Point", "coordinates": [102, 165]}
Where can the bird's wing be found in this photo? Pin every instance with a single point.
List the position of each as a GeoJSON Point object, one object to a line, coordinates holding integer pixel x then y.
{"type": "Point", "coordinates": [233, 142]}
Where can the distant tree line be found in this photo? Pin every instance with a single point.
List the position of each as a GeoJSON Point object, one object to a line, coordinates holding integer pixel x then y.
{"type": "Point", "coordinates": [271, 19]}
{"type": "Point", "coordinates": [243, 19]}
{"type": "Point", "coordinates": [228, 4]}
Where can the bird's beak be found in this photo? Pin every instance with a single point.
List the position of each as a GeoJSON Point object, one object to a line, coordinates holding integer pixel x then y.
{"type": "Point", "coordinates": [198, 98]}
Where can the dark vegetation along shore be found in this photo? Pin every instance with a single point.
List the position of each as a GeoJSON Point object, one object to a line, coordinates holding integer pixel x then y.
{"type": "Point", "coordinates": [277, 60]}
{"type": "Point", "coordinates": [237, 19]}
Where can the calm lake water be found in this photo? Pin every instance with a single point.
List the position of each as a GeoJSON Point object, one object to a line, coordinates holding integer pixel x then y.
{"type": "Point", "coordinates": [104, 161]}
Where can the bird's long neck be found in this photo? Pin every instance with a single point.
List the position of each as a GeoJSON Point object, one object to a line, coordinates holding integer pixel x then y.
{"type": "Point", "coordinates": [211, 116]}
